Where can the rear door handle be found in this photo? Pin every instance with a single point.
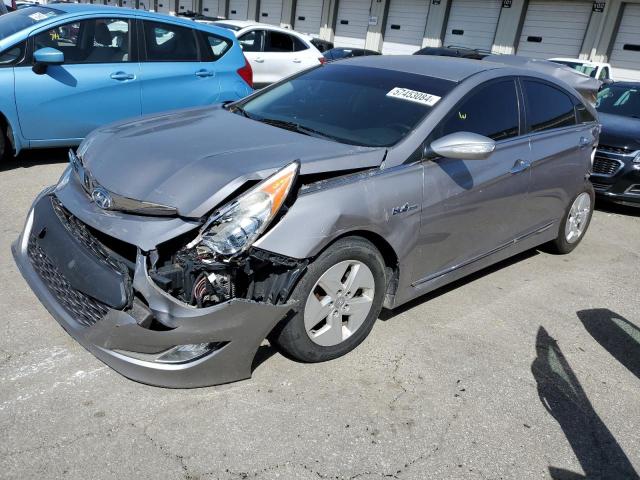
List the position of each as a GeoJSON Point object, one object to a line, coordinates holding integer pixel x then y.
{"type": "Point", "coordinates": [121, 76]}
{"type": "Point", "coordinates": [520, 166]}
{"type": "Point", "coordinates": [584, 142]}
{"type": "Point", "coordinates": [259, 60]}
{"type": "Point", "coordinates": [205, 73]}
{"type": "Point", "coordinates": [297, 60]}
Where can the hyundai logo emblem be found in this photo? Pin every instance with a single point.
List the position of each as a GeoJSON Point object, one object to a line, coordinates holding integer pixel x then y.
{"type": "Point", "coordinates": [102, 198]}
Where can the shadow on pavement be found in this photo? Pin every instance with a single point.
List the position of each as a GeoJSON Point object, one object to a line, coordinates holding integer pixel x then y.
{"type": "Point", "coordinates": [389, 314]}
{"type": "Point", "coordinates": [616, 334]}
{"type": "Point", "coordinates": [598, 452]}
{"type": "Point", "coordinates": [32, 158]}
{"type": "Point", "coordinates": [611, 207]}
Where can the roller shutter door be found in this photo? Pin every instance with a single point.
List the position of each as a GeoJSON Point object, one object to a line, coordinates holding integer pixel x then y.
{"type": "Point", "coordinates": [163, 6]}
{"type": "Point", "coordinates": [352, 23]}
{"type": "Point", "coordinates": [405, 27]}
{"type": "Point", "coordinates": [625, 54]}
{"type": "Point", "coordinates": [270, 12]}
{"type": "Point", "coordinates": [185, 6]}
{"type": "Point", "coordinates": [238, 9]}
{"type": "Point", "coordinates": [129, 3]}
{"type": "Point", "coordinates": [210, 8]}
{"type": "Point", "coordinates": [113, 3]}
{"type": "Point", "coordinates": [554, 29]}
{"type": "Point", "coordinates": [472, 23]}
{"type": "Point", "coordinates": [308, 17]}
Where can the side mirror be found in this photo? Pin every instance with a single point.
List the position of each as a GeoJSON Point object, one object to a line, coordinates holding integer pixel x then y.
{"type": "Point", "coordinates": [45, 57]}
{"type": "Point", "coordinates": [463, 146]}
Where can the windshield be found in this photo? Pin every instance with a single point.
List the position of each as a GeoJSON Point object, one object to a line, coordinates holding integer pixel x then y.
{"type": "Point", "coordinates": [620, 100]}
{"type": "Point", "coordinates": [20, 19]}
{"type": "Point", "coordinates": [350, 104]}
{"type": "Point", "coordinates": [579, 67]}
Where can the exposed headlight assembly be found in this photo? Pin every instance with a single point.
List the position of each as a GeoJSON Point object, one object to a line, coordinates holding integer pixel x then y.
{"type": "Point", "coordinates": [235, 226]}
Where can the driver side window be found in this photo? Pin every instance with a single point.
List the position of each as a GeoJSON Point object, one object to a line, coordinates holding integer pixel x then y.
{"type": "Point", "coordinates": [491, 111]}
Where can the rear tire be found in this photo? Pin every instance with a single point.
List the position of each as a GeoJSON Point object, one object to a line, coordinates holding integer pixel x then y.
{"type": "Point", "coordinates": [3, 145]}
{"type": "Point", "coordinates": [575, 222]}
{"type": "Point", "coordinates": [338, 299]}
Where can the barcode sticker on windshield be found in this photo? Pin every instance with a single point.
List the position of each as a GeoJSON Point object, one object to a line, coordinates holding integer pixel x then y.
{"type": "Point", "coordinates": [414, 96]}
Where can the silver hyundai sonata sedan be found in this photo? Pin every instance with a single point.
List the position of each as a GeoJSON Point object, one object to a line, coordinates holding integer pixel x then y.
{"type": "Point", "coordinates": [173, 245]}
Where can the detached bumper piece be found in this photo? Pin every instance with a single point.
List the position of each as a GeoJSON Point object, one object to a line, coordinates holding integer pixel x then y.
{"type": "Point", "coordinates": [109, 304]}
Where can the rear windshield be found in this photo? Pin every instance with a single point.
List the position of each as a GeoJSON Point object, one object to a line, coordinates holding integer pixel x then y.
{"type": "Point", "coordinates": [579, 67]}
{"type": "Point", "coordinates": [20, 19]}
{"type": "Point", "coordinates": [620, 100]}
{"type": "Point", "coordinates": [351, 104]}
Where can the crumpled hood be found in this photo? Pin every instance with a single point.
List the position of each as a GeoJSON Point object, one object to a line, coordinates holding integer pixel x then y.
{"type": "Point", "coordinates": [619, 131]}
{"type": "Point", "coordinates": [193, 159]}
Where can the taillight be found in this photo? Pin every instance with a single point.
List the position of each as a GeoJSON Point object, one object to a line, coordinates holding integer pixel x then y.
{"type": "Point", "coordinates": [322, 60]}
{"type": "Point", "coordinates": [246, 73]}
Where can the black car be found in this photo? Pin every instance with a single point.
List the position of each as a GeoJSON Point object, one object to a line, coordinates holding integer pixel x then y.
{"type": "Point", "coordinates": [321, 45]}
{"type": "Point", "coordinates": [460, 52]}
{"type": "Point", "coordinates": [616, 168]}
{"type": "Point", "coordinates": [339, 53]}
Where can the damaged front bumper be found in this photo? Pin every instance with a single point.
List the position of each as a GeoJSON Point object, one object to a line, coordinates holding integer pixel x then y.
{"type": "Point", "coordinates": [232, 331]}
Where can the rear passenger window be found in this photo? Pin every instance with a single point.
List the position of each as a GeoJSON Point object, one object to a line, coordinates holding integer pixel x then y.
{"type": "Point", "coordinates": [299, 45]}
{"type": "Point", "coordinates": [216, 46]}
{"type": "Point", "coordinates": [547, 107]}
{"type": "Point", "coordinates": [170, 43]}
{"type": "Point", "coordinates": [491, 111]}
{"type": "Point", "coordinates": [279, 42]}
{"type": "Point", "coordinates": [252, 41]}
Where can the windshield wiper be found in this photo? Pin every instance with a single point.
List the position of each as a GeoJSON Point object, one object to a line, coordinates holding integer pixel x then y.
{"type": "Point", "coordinates": [296, 127]}
{"type": "Point", "coordinates": [239, 109]}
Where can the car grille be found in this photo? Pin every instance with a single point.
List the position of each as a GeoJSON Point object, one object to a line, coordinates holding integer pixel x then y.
{"type": "Point", "coordinates": [600, 187]}
{"type": "Point", "coordinates": [84, 309]}
{"type": "Point", "coordinates": [607, 167]}
{"type": "Point", "coordinates": [608, 149]}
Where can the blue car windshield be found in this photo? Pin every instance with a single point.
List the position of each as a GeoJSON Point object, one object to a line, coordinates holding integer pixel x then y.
{"type": "Point", "coordinates": [24, 18]}
{"type": "Point", "coordinates": [357, 105]}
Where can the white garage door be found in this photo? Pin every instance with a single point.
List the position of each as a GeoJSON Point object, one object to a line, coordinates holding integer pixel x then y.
{"type": "Point", "coordinates": [270, 12]}
{"type": "Point", "coordinates": [113, 3]}
{"type": "Point", "coordinates": [554, 29]}
{"type": "Point", "coordinates": [129, 3]}
{"type": "Point", "coordinates": [625, 54]}
{"type": "Point", "coordinates": [352, 23]}
{"type": "Point", "coordinates": [163, 6]}
{"type": "Point", "coordinates": [406, 23]}
{"type": "Point", "coordinates": [238, 9]}
{"type": "Point", "coordinates": [185, 6]}
{"type": "Point", "coordinates": [308, 17]}
{"type": "Point", "coordinates": [472, 23]}
{"type": "Point", "coordinates": [210, 8]}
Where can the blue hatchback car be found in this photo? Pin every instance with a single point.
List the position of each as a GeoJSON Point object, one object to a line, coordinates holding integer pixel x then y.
{"type": "Point", "coordinates": [68, 69]}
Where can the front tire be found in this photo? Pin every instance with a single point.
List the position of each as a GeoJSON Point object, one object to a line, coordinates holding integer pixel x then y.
{"type": "Point", "coordinates": [575, 222]}
{"type": "Point", "coordinates": [339, 299]}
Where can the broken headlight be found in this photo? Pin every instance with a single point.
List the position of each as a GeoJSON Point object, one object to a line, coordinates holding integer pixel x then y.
{"type": "Point", "coordinates": [234, 227]}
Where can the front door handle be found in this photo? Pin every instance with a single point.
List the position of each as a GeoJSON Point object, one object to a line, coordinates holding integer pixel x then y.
{"type": "Point", "coordinates": [584, 142]}
{"type": "Point", "coordinates": [520, 166]}
{"type": "Point", "coordinates": [205, 73]}
{"type": "Point", "coordinates": [259, 60]}
{"type": "Point", "coordinates": [297, 60]}
{"type": "Point", "coordinates": [121, 76]}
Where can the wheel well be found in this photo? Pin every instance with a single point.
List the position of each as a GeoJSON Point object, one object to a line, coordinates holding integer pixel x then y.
{"type": "Point", "coordinates": [389, 256]}
{"type": "Point", "coordinates": [4, 131]}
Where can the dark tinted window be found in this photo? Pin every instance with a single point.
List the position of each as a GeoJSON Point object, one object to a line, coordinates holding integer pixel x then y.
{"type": "Point", "coordinates": [252, 41]}
{"type": "Point", "coordinates": [547, 107]}
{"type": "Point", "coordinates": [299, 45]}
{"type": "Point", "coordinates": [102, 40]}
{"type": "Point", "coordinates": [279, 42]}
{"type": "Point", "coordinates": [12, 55]}
{"type": "Point", "coordinates": [620, 100]}
{"type": "Point", "coordinates": [169, 43]}
{"type": "Point", "coordinates": [491, 111]}
{"type": "Point", "coordinates": [354, 105]}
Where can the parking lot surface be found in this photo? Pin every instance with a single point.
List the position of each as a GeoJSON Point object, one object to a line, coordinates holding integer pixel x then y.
{"type": "Point", "coordinates": [528, 370]}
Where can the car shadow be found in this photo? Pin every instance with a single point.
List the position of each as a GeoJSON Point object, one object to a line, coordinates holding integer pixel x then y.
{"type": "Point", "coordinates": [33, 158]}
{"type": "Point", "coordinates": [386, 314]}
{"type": "Point", "coordinates": [616, 334]}
{"type": "Point", "coordinates": [611, 207]}
{"type": "Point", "coordinates": [264, 353]}
{"type": "Point", "coordinates": [560, 392]}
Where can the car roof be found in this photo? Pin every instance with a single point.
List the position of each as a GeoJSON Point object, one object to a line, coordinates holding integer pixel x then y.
{"type": "Point", "coordinates": [446, 68]}
{"type": "Point", "coordinates": [238, 23]}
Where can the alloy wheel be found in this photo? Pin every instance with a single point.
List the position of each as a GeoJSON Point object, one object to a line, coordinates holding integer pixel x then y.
{"type": "Point", "coordinates": [578, 218]}
{"type": "Point", "coordinates": [339, 303]}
